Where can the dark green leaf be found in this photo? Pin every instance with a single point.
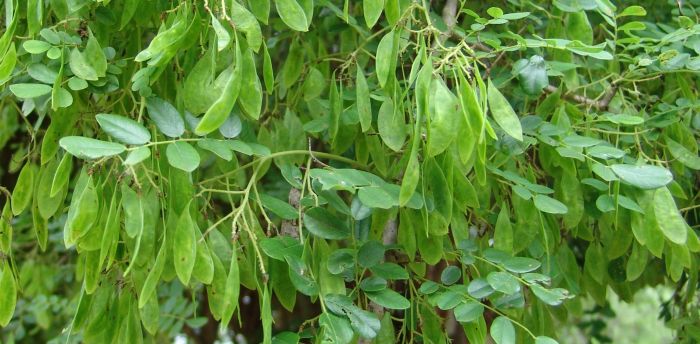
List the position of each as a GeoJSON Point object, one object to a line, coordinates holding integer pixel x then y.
{"type": "Point", "coordinates": [321, 223]}
{"type": "Point", "coordinates": [373, 284]}
{"type": "Point", "coordinates": [388, 298]}
{"type": "Point", "coordinates": [450, 275]}
{"type": "Point", "coordinates": [390, 271]}
{"type": "Point", "coordinates": [336, 329]}
{"type": "Point", "coordinates": [468, 312]}
{"type": "Point", "coordinates": [279, 207]}
{"type": "Point", "coordinates": [370, 254]}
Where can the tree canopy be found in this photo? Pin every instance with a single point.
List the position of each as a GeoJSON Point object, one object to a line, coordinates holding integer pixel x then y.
{"type": "Point", "coordinates": [337, 171]}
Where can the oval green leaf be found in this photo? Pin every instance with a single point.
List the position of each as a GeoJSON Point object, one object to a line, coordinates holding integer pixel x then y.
{"type": "Point", "coordinates": [124, 129]}
{"type": "Point", "coordinates": [28, 91]}
{"type": "Point", "coordinates": [165, 116]}
{"type": "Point", "coordinates": [292, 14]}
{"type": "Point", "coordinates": [502, 331]}
{"type": "Point", "coordinates": [88, 148]}
{"type": "Point", "coordinates": [668, 217]}
{"type": "Point", "coordinates": [183, 156]}
{"type": "Point", "coordinates": [550, 205]}
{"type": "Point", "coordinates": [321, 223]}
{"type": "Point", "coordinates": [643, 176]}
{"type": "Point", "coordinates": [184, 247]}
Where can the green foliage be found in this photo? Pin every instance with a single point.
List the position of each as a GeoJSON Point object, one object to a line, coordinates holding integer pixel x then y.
{"type": "Point", "coordinates": [344, 171]}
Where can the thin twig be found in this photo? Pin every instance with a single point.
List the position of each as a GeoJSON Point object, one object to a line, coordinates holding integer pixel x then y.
{"type": "Point", "coordinates": [311, 153]}
{"type": "Point", "coordinates": [597, 104]}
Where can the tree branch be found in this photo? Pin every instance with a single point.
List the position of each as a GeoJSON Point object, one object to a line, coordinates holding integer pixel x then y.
{"type": "Point", "coordinates": [449, 15]}
{"type": "Point", "coordinates": [601, 104]}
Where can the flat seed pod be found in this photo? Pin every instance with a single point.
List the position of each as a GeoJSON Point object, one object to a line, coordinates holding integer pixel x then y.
{"type": "Point", "coordinates": [233, 288]}
{"type": "Point", "coordinates": [203, 269]}
{"type": "Point", "coordinates": [250, 97]}
{"type": "Point", "coordinates": [111, 230]}
{"type": "Point", "coordinates": [364, 106]}
{"type": "Point", "coordinates": [217, 114]}
{"type": "Point", "coordinates": [444, 121]}
{"type": "Point", "coordinates": [22, 193]}
{"type": "Point", "coordinates": [62, 175]}
{"type": "Point", "coordinates": [48, 204]}
{"type": "Point", "coordinates": [83, 211]}
{"type": "Point", "coordinates": [8, 295]}
{"type": "Point", "coordinates": [215, 291]}
{"type": "Point", "coordinates": [92, 271]}
{"type": "Point", "coordinates": [132, 204]}
{"type": "Point", "coordinates": [184, 247]}
{"type": "Point", "coordinates": [6, 229]}
{"type": "Point", "coordinates": [149, 286]}
{"type": "Point", "coordinates": [386, 57]}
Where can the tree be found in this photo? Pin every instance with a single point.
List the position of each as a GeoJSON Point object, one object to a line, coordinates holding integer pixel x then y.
{"type": "Point", "coordinates": [344, 171]}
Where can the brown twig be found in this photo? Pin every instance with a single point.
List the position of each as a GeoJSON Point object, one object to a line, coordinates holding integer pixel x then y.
{"type": "Point", "coordinates": [601, 104]}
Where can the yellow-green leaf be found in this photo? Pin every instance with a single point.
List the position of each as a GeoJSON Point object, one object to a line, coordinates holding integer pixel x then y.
{"type": "Point", "coordinates": [292, 14]}
{"type": "Point", "coordinates": [503, 113]}
{"type": "Point", "coordinates": [8, 295]}
{"type": "Point", "coordinates": [668, 217]}
{"type": "Point", "coordinates": [184, 246]}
